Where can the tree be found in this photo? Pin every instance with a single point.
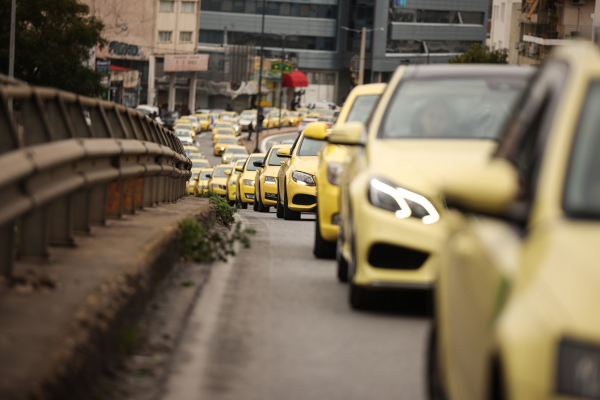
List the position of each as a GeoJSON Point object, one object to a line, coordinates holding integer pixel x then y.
{"type": "Point", "coordinates": [477, 55]}
{"type": "Point", "coordinates": [53, 39]}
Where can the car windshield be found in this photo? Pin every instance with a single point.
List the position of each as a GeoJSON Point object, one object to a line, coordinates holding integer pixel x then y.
{"type": "Point", "coordinates": [202, 117]}
{"type": "Point", "coordinates": [199, 164]}
{"type": "Point", "coordinates": [451, 108]}
{"type": "Point", "coordinates": [184, 127]}
{"type": "Point", "coordinates": [191, 119]}
{"type": "Point", "coordinates": [250, 163]}
{"type": "Point", "coordinates": [582, 189]}
{"type": "Point", "coordinates": [247, 116]}
{"type": "Point", "coordinates": [182, 133]}
{"type": "Point", "coordinates": [227, 141]}
{"type": "Point", "coordinates": [224, 132]}
{"type": "Point", "coordinates": [310, 147]}
{"type": "Point", "coordinates": [293, 114]}
{"type": "Point", "coordinates": [236, 151]}
{"type": "Point", "coordinates": [220, 172]}
{"type": "Point", "coordinates": [170, 114]}
{"type": "Point", "coordinates": [275, 160]}
{"type": "Point", "coordinates": [362, 107]}
{"type": "Point", "coordinates": [223, 125]}
{"type": "Point", "coordinates": [195, 175]}
{"type": "Point", "coordinates": [206, 175]}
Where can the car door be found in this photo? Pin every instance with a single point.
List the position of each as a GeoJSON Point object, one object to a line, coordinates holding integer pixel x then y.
{"type": "Point", "coordinates": [483, 253]}
{"type": "Point", "coordinates": [285, 165]}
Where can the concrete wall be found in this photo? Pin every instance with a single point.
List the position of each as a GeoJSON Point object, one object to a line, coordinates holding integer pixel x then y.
{"type": "Point", "coordinates": [502, 25]}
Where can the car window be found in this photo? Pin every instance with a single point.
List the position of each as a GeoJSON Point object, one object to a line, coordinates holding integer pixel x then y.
{"type": "Point", "coordinates": [362, 107]}
{"type": "Point", "coordinates": [220, 172]}
{"type": "Point", "coordinates": [235, 151]}
{"type": "Point", "coordinates": [250, 163]}
{"type": "Point", "coordinates": [451, 108]}
{"type": "Point", "coordinates": [226, 141]}
{"type": "Point", "coordinates": [310, 147]}
{"type": "Point", "coordinates": [275, 160]}
{"type": "Point", "coordinates": [184, 134]}
{"type": "Point", "coordinates": [195, 175]}
{"type": "Point", "coordinates": [207, 174]}
{"type": "Point", "coordinates": [582, 189]}
{"type": "Point", "coordinates": [224, 132]}
{"type": "Point", "coordinates": [184, 127]}
{"type": "Point", "coordinates": [199, 164]}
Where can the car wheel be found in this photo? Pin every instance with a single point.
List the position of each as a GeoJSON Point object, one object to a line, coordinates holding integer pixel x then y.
{"type": "Point", "coordinates": [261, 207]}
{"type": "Point", "coordinates": [232, 203]}
{"type": "Point", "coordinates": [358, 297]}
{"type": "Point", "coordinates": [288, 214]}
{"type": "Point", "coordinates": [322, 248]}
{"type": "Point", "coordinates": [342, 264]}
{"type": "Point", "coordinates": [279, 207]}
{"type": "Point", "coordinates": [435, 390]}
{"type": "Point", "coordinates": [255, 205]}
{"type": "Point", "coordinates": [244, 206]}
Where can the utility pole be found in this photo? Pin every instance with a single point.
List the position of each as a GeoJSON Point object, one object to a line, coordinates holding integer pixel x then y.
{"type": "Point", "coordinates": [259, 124]}
{"type": "Point", "coordinates": [283, 36]}
{"type": "Point", "coordinates": [363, 45]}
{"type": "Point", "coordinates": [11, 51]}
{"type": "Point", "coordinates": [361, 65]}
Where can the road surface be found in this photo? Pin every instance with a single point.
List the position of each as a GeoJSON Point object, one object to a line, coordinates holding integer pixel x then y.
{"type": "Point", "coordinates": [274, 324]}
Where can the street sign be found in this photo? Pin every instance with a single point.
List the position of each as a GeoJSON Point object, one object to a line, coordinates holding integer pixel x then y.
{"type": "Point", "coordinates": [186, 62]}
{"type": "Point", "coordinates": [287, 68]}
{"type": "Point", "coordinates": [281, 67]}
{"type": "Point", "coordinates": [103, 66]}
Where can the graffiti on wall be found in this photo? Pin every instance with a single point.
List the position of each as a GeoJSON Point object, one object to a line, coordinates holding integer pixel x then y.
{"type": "Point", "coordinates": [124, 49]}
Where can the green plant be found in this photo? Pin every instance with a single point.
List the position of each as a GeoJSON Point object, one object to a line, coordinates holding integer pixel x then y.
{"type": "Point", "coordinates": [128, 341]}
{"type": "Point", "coordinates": [478, 55]}
{"type": "Point", "coordinates": [225, 212]}
{"type": "Point", "coordinates": [200, 245]}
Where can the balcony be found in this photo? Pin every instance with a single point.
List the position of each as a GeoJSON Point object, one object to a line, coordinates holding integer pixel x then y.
{"type": "Point", "coordinates": [541, 34]}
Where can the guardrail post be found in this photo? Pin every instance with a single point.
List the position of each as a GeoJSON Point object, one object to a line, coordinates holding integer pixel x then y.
{"type": "Point", "coordinates": [148, 192]}
{"type": "Point", "coordinates": [114, 202]}
{"type": "Point", "coordinates": [139, 194]}
{"type": "Point", "coordinates": [162, 189]}
{"type": "Point", "coordinates": [34, 234]}
{"type": "Point", "coordinates": [98, 205]}
{"type": "Point", "coordinates": [128, 196]}
{"type": "Point", "coordinates": [7, 250]}
{"type": "Point", "coordinates": [61, 222]}
{"type": "Point", "coordinates": [81, 211]}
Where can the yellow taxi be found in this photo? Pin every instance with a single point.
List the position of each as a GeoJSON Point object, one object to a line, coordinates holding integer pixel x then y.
{"type": "Point", "coordinates": [201, 186]}
{"type": "Point", "coordinates": [222, 134]}
{"type": "Point", "coordinates": [193, 120]}
{"type": "Point", "coordinates": [271, 120]}
{"type": "Point", "coordinates": [232, 181]}
{"type": "Point", "coordinates": [231, 151]}
{"type": "Point", "coordinates": [204, 120]}
{"type": "Point", "coordinates": [193, 182]}
{"type": "Point", "coordinates": [237, 157]}
{"type": "Point", "coordinates": [222, 125]}
{"type": "Point", "coordinates": [245, 184]}
{"type": "Point", "coordinates": [430, 120]}
{"type": "Point", "coordinates": [296, 187]}
{"type": "Point", "coordinates": [229, 116]}
{"type": "Point", "coordinates": [265, 191]}
{"type": "Point", "coordinates": [218, 180]}
{"type": "Point", "coordinates": [517, 300]}
{"type": "Point", "coordinates": [185, 126]}
{"type": "Point", "coordinates": [199, 163]}
{"type": "Point", "coordinates": [192, 151]}
{"type": "Point", "coordinates": [292, 118]}
{"type": "Point", "coordinates": [358, 107]}
{"type": "Point", "coordinates": [223, 144]}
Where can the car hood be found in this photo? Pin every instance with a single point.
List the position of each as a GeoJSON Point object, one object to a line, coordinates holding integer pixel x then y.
{"type": "Point", "coordinates": [308, 164]}
{"type": "Point", "coordinates": [249, 175]}
{"type": "Point", "coordinates": [561, 274]}
{"type": "Point", "coordinates": [424, 164]}
{"type": "Point", "coordinates": [219, 181]}
{"type": "Point", "coordinates": [272, 170]}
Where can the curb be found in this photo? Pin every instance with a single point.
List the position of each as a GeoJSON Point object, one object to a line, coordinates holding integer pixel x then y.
{"type": "Point", "coordinates": [90, 343]}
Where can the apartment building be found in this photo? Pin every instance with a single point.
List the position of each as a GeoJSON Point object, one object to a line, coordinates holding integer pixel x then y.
{"type": "Point", "coordinates": [506, 27]}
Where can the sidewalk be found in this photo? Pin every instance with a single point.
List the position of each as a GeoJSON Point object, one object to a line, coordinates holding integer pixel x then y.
{"type": "Point", "coordinates": [62, 325]}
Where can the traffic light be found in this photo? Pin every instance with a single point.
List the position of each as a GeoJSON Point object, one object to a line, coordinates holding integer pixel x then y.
{"type": "Point", "coordinates": [354, 76]}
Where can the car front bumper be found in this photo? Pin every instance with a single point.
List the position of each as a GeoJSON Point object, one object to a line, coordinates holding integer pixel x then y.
{"type": "Point", "coordinates": [246, 193]}
{"type": "Point", "coordinates": [268, 193]}
{"type": "Point", "coordinates": [301, 198]}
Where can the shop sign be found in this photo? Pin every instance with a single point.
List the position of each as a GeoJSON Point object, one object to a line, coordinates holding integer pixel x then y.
{"type": "Point", "coordinates": [103, 66]}
{"type": "Point", "coordinates": [186, 63]}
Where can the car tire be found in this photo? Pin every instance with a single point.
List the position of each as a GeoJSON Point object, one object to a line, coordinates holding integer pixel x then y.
{"type": "Point", "coordinates": [261, 207]}
{"type": "Point", "coordinates": [244, 206]}
{"type": "Point", "coordinates": [358, 297]}
{"type": "Point", "coordinates": [322, 248]}
{"type": "Point", "coordinates": [288, 214]}
{"type": "Point", "coordinates": [255, 205]}
{"type": "Point", "coordinates": [435, 389]}
{"type": "Point", "coordinates": [342, 264]}
{"type": "Point", "coordinates": [232, 203]}
{"type": "Point", "coordinates": [279, 207]}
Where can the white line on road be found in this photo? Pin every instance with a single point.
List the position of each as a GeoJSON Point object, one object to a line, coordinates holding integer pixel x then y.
{"type": "Point", "coordinates": [266, 144]}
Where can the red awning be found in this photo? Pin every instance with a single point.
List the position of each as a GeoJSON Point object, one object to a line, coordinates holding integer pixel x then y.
{"type": "Point", "coordinates": [117, 68]}
{"type": "Point", "coordinates": [295, 79]}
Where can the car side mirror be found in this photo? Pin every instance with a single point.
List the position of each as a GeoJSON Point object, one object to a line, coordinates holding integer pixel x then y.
{"type": "Point", "coordinates": [285, 153]}
{"type": "Point", "coordinates": [350, 134]}
{"type": "Point", "coordinates": [258, 164]}
{"type": "Point", "coordinates": [489, 190]}
{"type": "Point", "coordinates": [316, 130]}
{"type": "Point", "coordinates": [239, 169]}
{"type": "Point", "coordinates": [227, 172]}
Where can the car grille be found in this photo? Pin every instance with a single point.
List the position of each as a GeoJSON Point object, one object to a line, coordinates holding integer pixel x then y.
{"type": "Point", "coordinates": [271, 196]}
{"type": "Point", "coordinates": [388, 256]}
{"type": "Point", "coordinates": [304, 200]}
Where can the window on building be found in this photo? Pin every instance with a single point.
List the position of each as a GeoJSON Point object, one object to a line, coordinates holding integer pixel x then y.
{"type": "Point", "coordinates": [434, 46]}
{"type": "Point", "coordinates": [188, 6]}
{"type": "Point", "coordinates": [502, 11]}
{"type": "Point", "coordinates": [165, 36]}
{"type": "Point", "coordinates": [496, 12]}
{"type": "Point", "coordinates": [280, 8]}
{"type": "Point", "coordinates": [402, 14]}
{"type": "Point", "coordinates": [270, 40]}
{"type": "Point", "coordinates": [185, 37]}
{"type": "Point", "coordinates": [471, 17]}
{"type": "Point", "coordinates": [166, 6]}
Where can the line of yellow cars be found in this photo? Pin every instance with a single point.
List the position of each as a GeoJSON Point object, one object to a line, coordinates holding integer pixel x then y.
{"type": "Point", "coordinates": [479, 184]}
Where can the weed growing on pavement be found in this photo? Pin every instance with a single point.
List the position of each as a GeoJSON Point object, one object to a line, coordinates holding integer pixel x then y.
{"type": "Point", "coordinates": [224, 210]}
{"type": "Point", "coordinates": [200, 245]}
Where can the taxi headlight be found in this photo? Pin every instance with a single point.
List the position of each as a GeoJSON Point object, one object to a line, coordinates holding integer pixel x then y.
{"type": "Point", "coordinates": [303, 178]}
{"type": "Point", "coordinates": [269, 179]}
{"type": "Point", "coordinates": [232, 182]}
{"type": "Point", "coordinates": [402, 202]}
{"type": "Point", "coordinates": [579, 369]}
{"type": "Point", "coordinates": [334, 171]}
{"type": "Point", "coordinates": [248, 182]}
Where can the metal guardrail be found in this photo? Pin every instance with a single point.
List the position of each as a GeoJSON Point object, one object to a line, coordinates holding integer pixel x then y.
{"type": "Point", "coordinates": [71, 162]}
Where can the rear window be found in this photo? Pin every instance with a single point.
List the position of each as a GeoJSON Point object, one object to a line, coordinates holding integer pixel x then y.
{"type": "Point", "coordinates": [224, 132]}
{"type": "Point", "coordinates": [226, 141]}
{"type": "Point", "coordinates": [236, 151]}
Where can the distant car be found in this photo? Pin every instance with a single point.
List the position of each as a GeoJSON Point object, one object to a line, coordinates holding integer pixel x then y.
{"type": "Point", "coordinates": [246, 182]}
{"type": "Point", "coordinates": [265, 189]}
{"type": "Point", "coordinates": [306, 121]}
{"type": "Point", "coordinates": [231, 151]}
{"type": "Point", "coordinates": [184, 135]}
{"type": "Point", "coordinates": [327, 119]}
{"type": "Point", "coordinates": [246, 118]}
{"type": "Point", "coordinates": [149, 110]}
{"type": "Point", "coordinates": [203, 111]}
{"type": "Point", "coordinates": [237, 157]}
{"type": "Point", "coordinates": [169, 118]}
{"type": "Point", "coordinates": [202, 186]}
{"type": "Point", "coordinates": [218, 180]}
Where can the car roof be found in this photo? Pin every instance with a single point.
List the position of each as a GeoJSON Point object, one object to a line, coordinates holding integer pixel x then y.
{"type": "Point", "coordinates": [257, 155]}
{"type": "Point", "coordinates": [280, 146]}
{"type": "Point", "coordinates": [465, 70]}
{"type": "Point", "coordinates": [370, 88]}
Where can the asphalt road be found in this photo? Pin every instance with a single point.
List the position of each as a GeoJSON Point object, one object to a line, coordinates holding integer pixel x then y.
{"type": "Point", "coordinates": [274, 324]}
